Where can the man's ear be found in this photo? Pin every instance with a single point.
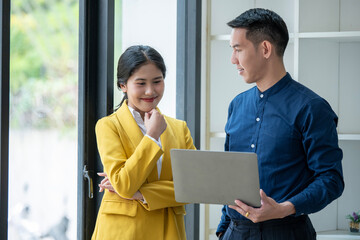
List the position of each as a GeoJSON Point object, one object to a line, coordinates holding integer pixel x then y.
{"type": "Point", "coordinates": [267, 49]}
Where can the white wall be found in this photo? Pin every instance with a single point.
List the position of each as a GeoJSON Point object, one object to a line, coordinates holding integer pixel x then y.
{"type": "Point", "coordinates": [153, 23]}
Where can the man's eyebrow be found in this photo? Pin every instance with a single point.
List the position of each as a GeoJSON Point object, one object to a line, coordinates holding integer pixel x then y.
{"type": "Point", "coordinates": [234, 46]}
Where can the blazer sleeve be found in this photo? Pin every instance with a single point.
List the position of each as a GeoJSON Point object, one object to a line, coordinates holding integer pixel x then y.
{"type": "Point", "coordinates": [126, 175]}
{"type": "Point", "coordinates": [160, 194]}
{"type": "Point", "coordinates": [189, 143]}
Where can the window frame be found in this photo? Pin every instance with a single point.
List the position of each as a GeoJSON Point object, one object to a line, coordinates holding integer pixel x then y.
{"type": "Point", "coordinates": [188, 86]}
{"type": "Point", "coordinates": [4, 124]}
{"type": "Point", "coordinates": [96, 70]}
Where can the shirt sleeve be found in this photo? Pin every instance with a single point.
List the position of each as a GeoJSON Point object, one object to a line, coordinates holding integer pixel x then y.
{"type": "Point", "coordinates": [224, 222]}
{"type": "Point", "coordinates": [318, 124]}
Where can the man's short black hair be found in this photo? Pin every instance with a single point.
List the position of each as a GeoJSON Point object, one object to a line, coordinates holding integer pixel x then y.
{"type": "Point", "coordinates": [263, 24]}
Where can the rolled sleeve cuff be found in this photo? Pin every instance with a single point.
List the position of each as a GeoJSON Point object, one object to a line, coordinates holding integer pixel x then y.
{"type": "Point", "coordinates": [156, 141]}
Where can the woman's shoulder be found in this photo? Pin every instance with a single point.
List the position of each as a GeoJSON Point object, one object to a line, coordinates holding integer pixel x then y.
{"type": "Point", "coordinates": [107, 121]}
{"type": "Point", "coordinates": [174, 122]}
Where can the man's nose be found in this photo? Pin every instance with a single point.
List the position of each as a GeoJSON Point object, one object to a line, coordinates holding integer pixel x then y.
{"type": "Point", "coordinates": [233, 58]}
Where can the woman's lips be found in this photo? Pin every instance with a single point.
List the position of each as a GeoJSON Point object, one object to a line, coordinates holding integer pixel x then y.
{"type": "Point", "coordinates": [148, 99]}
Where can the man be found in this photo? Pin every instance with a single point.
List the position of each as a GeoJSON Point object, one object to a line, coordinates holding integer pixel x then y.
{"type": "Point", "coordinates": [292, 130]}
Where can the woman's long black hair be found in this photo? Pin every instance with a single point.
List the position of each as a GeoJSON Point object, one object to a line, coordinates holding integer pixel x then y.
{"type": "Point", "coordinates": [132, 59]}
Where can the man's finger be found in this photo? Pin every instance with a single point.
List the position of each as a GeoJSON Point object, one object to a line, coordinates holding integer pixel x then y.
{"type": "Point", "coordinates": [241, 204]}
{"type": "Point", "coordinates": [238, 209]}
{"type": "Point", "coordinates": [264, 197]}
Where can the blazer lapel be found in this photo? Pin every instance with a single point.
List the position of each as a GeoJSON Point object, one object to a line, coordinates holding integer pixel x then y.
{"type": "Point", "coordinates": [129, 124]}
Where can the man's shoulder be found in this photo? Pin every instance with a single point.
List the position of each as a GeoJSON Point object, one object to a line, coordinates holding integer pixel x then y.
{"type": "Point", "coordinates": [244, 95]}
{"type": "Point", "coordinates": [303, 91]}
{"type": "Point", "coordinates": [305, 97]}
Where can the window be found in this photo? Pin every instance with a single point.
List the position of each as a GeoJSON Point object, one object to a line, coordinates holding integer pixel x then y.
{"type": "Point", "coordinates": [43, 119]}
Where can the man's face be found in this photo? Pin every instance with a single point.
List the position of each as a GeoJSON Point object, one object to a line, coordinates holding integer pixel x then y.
{"type": "Point", "coordinates": [248, 59]}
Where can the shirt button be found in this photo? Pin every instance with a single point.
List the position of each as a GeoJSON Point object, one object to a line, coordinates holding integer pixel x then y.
{"type": "Point", "coordinates": [252, 145]}
{"type": "Point", "coordinates": [261, 95]}
{"type": "Point", "coordinates": [257, 119]}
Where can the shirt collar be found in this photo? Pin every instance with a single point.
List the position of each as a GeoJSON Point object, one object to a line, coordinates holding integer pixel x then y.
{"type": "Point", "coordinates": [276, 87]}
{"type": "Point", "coordinates": [137, 116]}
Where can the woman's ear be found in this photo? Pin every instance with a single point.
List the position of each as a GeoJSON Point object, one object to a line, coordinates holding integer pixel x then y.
{"type": "Point", "coordinates": [123, 88]}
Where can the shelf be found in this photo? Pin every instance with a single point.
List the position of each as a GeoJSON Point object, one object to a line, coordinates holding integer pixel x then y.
{"type": "Point", "coordinates": [349, 136]}
{"type": "Point", "coordinates": [355, 137]}
{"type": "Point", "coordinates": [217, 135]}
{"type": "Point", "coordinates": [351, 36]}
{"type": "Point", "coordinates": [226, 37]}
{"type": "Point", "coordinates": [338, 234]}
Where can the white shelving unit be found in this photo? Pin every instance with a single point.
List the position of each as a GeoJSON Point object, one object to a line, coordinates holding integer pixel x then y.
{"type": "Point", "coordinates": [323, 54]}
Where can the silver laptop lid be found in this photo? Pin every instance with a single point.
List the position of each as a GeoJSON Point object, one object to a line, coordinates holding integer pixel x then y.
{"type": "Point", "coordinates": [215, 177]}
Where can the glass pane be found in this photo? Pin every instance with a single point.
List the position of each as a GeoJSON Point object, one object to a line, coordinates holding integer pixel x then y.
{"type": "Point", "coordinates": [43, 119]}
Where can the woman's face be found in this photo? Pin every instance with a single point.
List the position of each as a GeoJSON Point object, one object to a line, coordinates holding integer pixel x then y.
{"type": "Point", "coordinates": [144, 88]}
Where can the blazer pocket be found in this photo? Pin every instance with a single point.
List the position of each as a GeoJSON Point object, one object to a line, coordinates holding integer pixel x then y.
{"type": "Point", "coordinates": [121, 208]}
{"type": "Point", "coordinates": [179, 210]}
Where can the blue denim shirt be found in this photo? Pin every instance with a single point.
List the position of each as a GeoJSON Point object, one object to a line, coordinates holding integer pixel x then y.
{"type": "Point", "coordinates": [293, 132]}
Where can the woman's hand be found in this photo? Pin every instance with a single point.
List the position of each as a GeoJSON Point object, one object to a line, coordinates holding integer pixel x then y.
{"type": "Point", "coordinates": [155, 124]}
{"type": "Point", "coordinates": [105, 184]}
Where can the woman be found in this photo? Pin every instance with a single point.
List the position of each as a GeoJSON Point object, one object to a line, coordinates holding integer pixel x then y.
{"type": "Point", "coordinates": [134, 145]}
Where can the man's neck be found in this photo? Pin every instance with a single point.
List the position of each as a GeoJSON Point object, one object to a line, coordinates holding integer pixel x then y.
{"type": "Point", "coordinates": [274, 74]}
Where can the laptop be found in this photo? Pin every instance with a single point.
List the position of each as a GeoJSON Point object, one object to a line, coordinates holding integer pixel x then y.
{"type": "Point", "coordinates": [215, 177]}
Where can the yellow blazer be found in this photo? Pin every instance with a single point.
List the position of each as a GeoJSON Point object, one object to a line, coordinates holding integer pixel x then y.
{"type": "Point", "coordinates": [129, 159]}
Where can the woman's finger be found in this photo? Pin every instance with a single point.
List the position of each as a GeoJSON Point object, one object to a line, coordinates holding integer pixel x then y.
{"type": "Point", "coordinates": [104, 180]}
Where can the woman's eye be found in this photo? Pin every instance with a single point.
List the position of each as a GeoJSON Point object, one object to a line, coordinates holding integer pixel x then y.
{"type": "Point", "coordinates": [141, 84]}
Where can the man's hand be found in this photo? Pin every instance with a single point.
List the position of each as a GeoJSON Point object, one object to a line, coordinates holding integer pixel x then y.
{"type": "Point", "coordinates": [269, 209]}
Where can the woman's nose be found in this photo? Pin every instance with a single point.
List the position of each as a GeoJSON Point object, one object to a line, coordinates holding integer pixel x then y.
{"type": "Point", "coordinates": [149, 90]}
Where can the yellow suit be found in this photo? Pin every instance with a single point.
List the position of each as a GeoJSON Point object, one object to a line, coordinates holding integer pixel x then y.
{"type": "Point", "coordinates": [129, 159]}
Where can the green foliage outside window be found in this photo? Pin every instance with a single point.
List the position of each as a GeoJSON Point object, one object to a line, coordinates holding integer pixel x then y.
{"type": "Point", "coordinates": [43, 64]}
